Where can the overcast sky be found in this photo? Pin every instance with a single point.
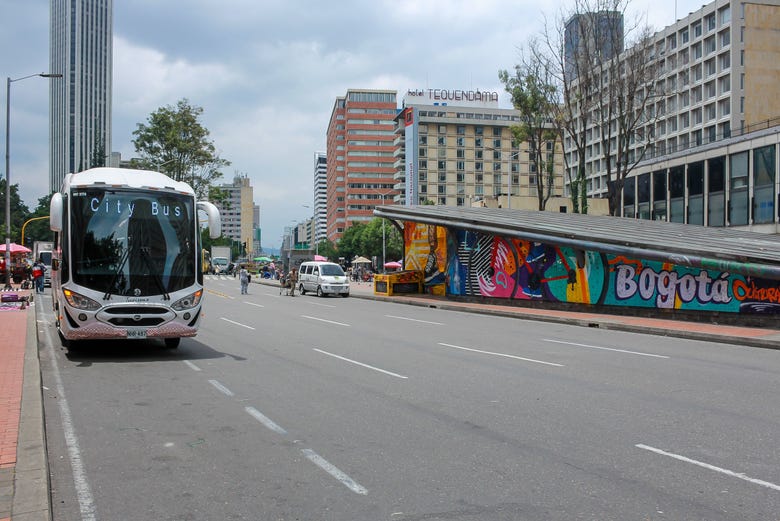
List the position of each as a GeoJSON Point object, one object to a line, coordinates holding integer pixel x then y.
{"type": "Point", "coordinates": [267, 73]}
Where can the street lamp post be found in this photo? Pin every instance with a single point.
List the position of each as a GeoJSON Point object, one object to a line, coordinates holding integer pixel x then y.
{"type": "Point", "coordinates": [8, 170]}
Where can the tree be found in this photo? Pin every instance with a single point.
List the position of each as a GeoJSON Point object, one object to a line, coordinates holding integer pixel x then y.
{"type": "Point", "coordinates": [39, 230]}
{"type": "Point", "coordinates": [572, 106]}
{"type": "Point", "coordinates": [174, 142]}
{"type": "Point", "coordinates": [605, 90]}
{"type": "Point", "coordinates": [99, 155]}
{"type": "Point", "coordinates": [349, 245]}
{"type": "Point", "coordinates": [328, 250]}
{"type": "Point", "coordinates": [627, 106]}
{"type": "Point", "coordinates": [366, 239]}
{"type": "Point", "coordinates": [19, 212]}
{"type": "Point", "coordinates": [534, 97]}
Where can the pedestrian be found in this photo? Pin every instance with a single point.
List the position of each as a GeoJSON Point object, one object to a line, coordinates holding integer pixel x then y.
{"type": "Point", "coordinates": [292, 278]}
{"type": "Point", "coordinates": [243, 277]}
{"type": "Point", "coordinates": [38, 270]}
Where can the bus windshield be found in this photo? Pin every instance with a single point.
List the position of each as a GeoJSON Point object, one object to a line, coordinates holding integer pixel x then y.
{"type": "Point", "coordinates": [132, 242]}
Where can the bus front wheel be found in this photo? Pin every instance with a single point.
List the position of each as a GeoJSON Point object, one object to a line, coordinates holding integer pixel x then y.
{"type": "Point", "coordinates": [172, 343]}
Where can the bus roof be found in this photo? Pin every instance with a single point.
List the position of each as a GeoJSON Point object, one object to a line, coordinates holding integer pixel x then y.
{"type": "Point", "coordinates": [125, 177]}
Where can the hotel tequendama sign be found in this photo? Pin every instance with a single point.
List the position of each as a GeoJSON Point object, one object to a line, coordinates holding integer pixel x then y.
{"type": "Point", "coordinates": [437, 97]}
{"type": "Point", "coordinates": [457, 98]}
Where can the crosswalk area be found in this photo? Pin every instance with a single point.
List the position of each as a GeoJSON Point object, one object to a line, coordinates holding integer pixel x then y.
{"type": "Point", "coordinates": [220, 276]}
{"type": "Point", "coordinates": [215, 276]}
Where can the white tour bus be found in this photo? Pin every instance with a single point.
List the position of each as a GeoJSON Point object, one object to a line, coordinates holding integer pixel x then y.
{"type": "Point", "coordinates": [127, 256]}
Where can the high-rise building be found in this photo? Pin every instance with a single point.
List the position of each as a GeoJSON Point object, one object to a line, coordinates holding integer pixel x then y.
{"type": "Point", "coordinates": [711, 131]}
{"type": "Point", "coordinates": [360, 145]}
{"type": "Point", "coordinates": [238, 211]}
{"type": "Point", "coordinates": [320, 197]}
{"type": "Point", "coordinates": [455, 148]}
{"type": "Point", "coordinates": [591, 34]}
{"type": "Point", "coordinates": [80, 115]}
{"type": "Point", "coordinates": [257, 229]}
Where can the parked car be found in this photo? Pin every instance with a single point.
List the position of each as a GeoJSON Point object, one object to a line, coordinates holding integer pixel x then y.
{"type": "Point", "coordinates": [323, 278]}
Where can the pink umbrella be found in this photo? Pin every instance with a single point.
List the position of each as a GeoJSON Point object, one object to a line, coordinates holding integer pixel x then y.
{"type": "Point", "coordinates": [320, 258]}
{"type": "Point", "coordinates": [15, 248]}
{"type": "Point", "coordinates": [392, 265]}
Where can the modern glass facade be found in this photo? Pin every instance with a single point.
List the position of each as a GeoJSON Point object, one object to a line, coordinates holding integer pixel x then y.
{"type": "Point", "coordinates": [80, 118]}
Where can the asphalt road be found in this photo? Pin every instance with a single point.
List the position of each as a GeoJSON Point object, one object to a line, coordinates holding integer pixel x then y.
{"type": "Point", "coordinates": [313, 408]}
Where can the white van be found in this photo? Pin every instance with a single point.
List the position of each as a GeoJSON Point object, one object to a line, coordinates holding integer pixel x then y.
{"type": "Point", "coordinates": [324, 278]}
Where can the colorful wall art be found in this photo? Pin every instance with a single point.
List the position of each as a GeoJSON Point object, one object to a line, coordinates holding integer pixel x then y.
{"type": "Point", "coordinates": [468, 263]}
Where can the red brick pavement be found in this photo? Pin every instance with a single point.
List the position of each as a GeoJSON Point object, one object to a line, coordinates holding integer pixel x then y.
{"type": "Point", "coordinates": [13, 336]}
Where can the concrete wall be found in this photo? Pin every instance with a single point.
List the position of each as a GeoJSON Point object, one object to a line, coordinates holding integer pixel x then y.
{"type": "Point", "coordinates": [762, 62]}
{"type": "Point", "coordinates": [554, 204]}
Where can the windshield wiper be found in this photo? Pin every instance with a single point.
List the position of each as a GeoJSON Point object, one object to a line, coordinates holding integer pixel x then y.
{"type": "Point", "coordinates": [122, 261]}
{"type": "Point", "coordinates": [155, 276]}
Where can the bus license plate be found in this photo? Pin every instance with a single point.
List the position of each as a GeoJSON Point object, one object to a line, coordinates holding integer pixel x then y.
{"type": "Point", "coordinates": [136, 334]}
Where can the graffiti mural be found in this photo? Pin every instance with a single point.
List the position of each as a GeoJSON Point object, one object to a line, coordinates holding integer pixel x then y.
{"type": "Point", "coordinates": [426, 251]}
{"type": "Point", "coordinates": [470, 263]}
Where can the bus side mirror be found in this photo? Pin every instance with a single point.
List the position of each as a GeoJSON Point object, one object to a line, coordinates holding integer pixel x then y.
{"type": "Point", "coordinates": [55, 212]}
{"type": "Point", "coordinates": [214, 220]}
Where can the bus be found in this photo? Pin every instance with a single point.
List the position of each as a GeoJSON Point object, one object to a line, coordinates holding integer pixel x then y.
{"type": "Point", "coordinates": [127, 256]}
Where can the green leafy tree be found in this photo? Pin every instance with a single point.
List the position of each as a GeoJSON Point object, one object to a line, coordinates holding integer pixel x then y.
{"type": "Point", "coordinates": [534, 97]}
{"type": "Point", "coordinates": [19, 212]}
{"type": "Point", "coordinates": [328, 250]}
{"type": "Point", "coordinates": [371, 240]}
{"type": "Point", "coordinates": [366, 239]}
{"type": "Point", "coordinates": [38, 230]}
{"type": "Point", "coordinates": [173, 141]}
{"type": "Point", "coordinates": [99, 155]}
{"type": "Point", "coordinates": [349, 245]}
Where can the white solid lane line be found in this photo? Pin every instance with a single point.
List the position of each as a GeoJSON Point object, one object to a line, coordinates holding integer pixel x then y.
{"type": "Point", "coordinates": [221, 388]}
{"type": "Point", "coordinates": [501, 354]}
{"type": "Point", "coordinates": [335, 472]}
{"type": "Point", "coordinates": [83, 489]}
{"type": "Point", "coordinates": [604, 348]}
{"type": "Point", "coordinates": [265, 420]}
{"type": "Point", "coordinates": [192, 366]}
{"type": "Point", "coordinates": [727, 472]}
{"type": "Point", "coordinates": [236, 323]}
{"type": "Point", "coordinates": [323, 320]}
{"type": "Point", "coordinates": [361, 364]}
{"type": "Point", "coordinates": [415, 320]}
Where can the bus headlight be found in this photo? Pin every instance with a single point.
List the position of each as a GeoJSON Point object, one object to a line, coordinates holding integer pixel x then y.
{"type": "Point", "coordinates": [190, 301]}
{"type": "Point", "coordinates": [80, 301]}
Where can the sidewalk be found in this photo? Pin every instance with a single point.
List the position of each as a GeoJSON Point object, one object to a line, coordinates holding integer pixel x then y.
{"type": "Point", "coordinates": [24, 481]}
{"type": "Point", "coordinates": [23, 469]}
